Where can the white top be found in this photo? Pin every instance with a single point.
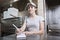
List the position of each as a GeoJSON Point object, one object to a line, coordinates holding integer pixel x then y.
{"type": "Point", "coordinates": [33, 24]}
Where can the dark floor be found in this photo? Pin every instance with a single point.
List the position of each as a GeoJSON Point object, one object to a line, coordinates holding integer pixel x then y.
{"type": "Point", "coordinates": [49, 37]}
{"type": "Point", "coordinates": [12, 37]}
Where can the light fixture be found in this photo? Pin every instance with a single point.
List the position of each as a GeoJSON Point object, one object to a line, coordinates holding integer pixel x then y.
{"type": "Point", "coordinates": [30, 1]}
{"type": "Point", "coordinates": [10, 5]}
{"type": "Point", "coordinates": [15, 0]}
{"type": "Point", "coordinates": [12, 1]}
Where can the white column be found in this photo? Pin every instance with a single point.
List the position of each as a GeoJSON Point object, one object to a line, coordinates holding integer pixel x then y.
{"type": "Point", "coordinates": [41, 12]}
{"type": "Point", "coordinates": [40, 7]}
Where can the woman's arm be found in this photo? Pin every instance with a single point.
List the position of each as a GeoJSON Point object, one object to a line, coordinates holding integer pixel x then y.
{"type": "Point", "coordinates": [22, 28]}
{"type": "Point", "coordinates": [40, 32]}
{"type": "Point", "coordinates": [41, 27]}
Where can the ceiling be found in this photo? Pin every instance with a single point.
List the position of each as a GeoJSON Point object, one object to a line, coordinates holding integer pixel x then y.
{"type": "Point", "coordinates": [5, 4]}
{"type": "Point", "coordinates": [21, 4]}
{"type": "Point", "coordinates": [52, 3]}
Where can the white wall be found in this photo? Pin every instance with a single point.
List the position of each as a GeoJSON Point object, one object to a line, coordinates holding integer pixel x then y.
{"type": "Point", "coordinates": [53, 16]}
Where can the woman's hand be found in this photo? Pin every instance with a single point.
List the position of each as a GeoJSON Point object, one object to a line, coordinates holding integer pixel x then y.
{"type": "Point", "coordinates": [28, 33]}
{"type": "Point", "coordinates": [18, 31]}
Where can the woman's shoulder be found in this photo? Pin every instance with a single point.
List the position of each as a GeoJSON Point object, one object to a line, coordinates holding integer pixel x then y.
{"type": "Point", "coordinates": [40, 17]}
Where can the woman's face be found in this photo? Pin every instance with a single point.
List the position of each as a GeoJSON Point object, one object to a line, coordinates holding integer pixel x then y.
{"type": "Point", "coordinates": [31, 10]}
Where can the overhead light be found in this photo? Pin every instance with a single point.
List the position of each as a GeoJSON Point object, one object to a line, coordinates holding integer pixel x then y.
{"type": "Point", "coordinates": [30, 0]}
{"type": "Point", "coordinates": [15, 0]}
{"type": "Point", "coordinates": [10, 5]}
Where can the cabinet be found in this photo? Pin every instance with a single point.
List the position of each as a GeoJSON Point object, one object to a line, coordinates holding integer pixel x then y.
{"type": "Point", "coordinates": [8, 30]}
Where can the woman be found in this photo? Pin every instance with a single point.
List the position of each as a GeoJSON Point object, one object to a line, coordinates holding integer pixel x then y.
{"type": "Point", "coordinates": [33, 23]}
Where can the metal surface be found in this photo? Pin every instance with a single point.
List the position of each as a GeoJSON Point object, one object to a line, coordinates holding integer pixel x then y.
{"type": "Point", "coordinates": [7, 27]}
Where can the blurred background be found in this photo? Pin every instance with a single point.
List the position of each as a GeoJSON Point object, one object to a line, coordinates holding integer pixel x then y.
{"type": "Point", "coordinates": [13, 12]}
{"type": "Point", "coordinates": [53, 19]}
{"type": "Point", "coordinates": [49, 9]}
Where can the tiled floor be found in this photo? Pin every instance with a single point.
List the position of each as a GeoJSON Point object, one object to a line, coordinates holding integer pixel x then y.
{"type": "Point", "coordinates": [53, 38]}
{"type": "Point", "coordinates": [10, 37]}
